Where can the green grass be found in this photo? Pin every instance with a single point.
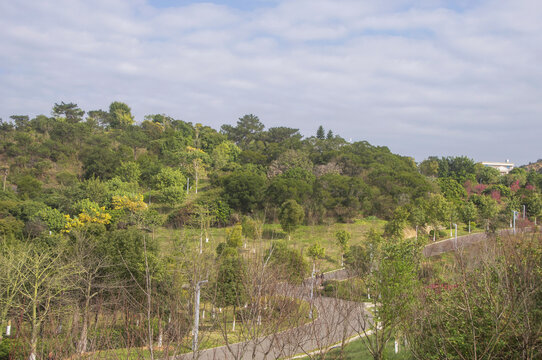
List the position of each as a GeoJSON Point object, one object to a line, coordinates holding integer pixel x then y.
{"type": "Point", "coordinates": [352, 289]}
{"type": "Point", "coordinates": [301, 239]}
{"type": "Point", "coordinates": [357, 350]}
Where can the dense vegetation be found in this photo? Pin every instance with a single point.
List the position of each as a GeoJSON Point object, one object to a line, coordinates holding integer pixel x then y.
{"type": "Point", "coordinates": [83, 194]}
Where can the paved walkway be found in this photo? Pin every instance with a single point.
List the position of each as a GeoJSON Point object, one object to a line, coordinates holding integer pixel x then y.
{"type": "Point", "coordinates": [448, 245]}
{"type": "Point", "coordinates": [337, 320]}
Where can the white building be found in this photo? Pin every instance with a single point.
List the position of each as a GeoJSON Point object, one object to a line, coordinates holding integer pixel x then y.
{"type": "Point", "coordinates": [503, 167]}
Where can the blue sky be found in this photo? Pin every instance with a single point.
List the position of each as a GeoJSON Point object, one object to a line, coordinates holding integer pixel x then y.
{"type": "Point", "coordinates": [421, 77]}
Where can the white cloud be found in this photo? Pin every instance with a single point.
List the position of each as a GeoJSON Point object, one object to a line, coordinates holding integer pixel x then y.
{"type": "Point", "coordinates": [420, 78]}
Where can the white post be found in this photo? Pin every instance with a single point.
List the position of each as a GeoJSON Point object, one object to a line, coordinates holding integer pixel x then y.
{"type": "Point", "coordinates": [8, 328]}
{"type": "Point", "coordinates": [196, 315]}
{"type": "Point", "coordinates": [396, 346]}
{"type": "Point", "coordinates": [187, 185]}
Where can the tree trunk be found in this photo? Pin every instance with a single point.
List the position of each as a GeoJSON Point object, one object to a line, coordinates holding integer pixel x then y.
{"type": "Point", "coordinates": [469, 226]}
{"type": "Point", "coordinates": [83, 339]}
{"type": "Point", "coordinates": [233, 327]}
{"type": "Point", "coordinates": [34, 341]}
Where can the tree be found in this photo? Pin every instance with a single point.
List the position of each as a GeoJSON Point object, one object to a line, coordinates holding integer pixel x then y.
{"type": "Point", "coordinates": [391, 279]}
{"type": "Point", "coordinates": [320, 133]}
{"type": "Point", "coordinates": [534, 205]}
{"type": "Point", "coordinates": [243, 190]}
{"type": "Point", "coordinates": [468, 213]}
{"type": "Point", "coordinates": [230, 281]}
{"type": "Point", "coordinates": [438, 211]}
{"type": "Point", "coordinates": [170, 183]}
{"type": "Point", "coordinates": [429, 167]}
{"type": "Point", "coordinates": [234, 236]}
{"type": "Point", "coordinates": [343, 237]}
{"type": "Point", "coordinates": [487, 209]}
{"type": "Point", "coordinates": [12, 278]}
{"type": "Point", "coordinates": [69, 112]}
{"type": "Point", "coordinates": [329, 135]}
{"type": "Point", "coordinates": [291, 216]}
{"type": "Point", "coordinates": [483, 303]}
{"type": "Point", "coordinates": [120, 115]}
{"type": "Point", "coordinates": [46, 276]}
{"type": "Point", "coordinates": [224, 155]}
{"type": "Point", "coordinates": [248, 128]}
{"type": "Point", "coordinates": [397, 224]}
{"type": "Point", "coordinates": [315, 252]}
{"type": "Point", "coordinates": [198, 158]}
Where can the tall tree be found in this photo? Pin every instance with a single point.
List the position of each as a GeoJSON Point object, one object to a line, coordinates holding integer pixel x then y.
{"type": "Point", "coordinates": [120, 115]}
{"type": "Point", "coordinates": [291, 216]}
{"type": "Point", "coordinates": [320, 133]}
{"type": "Point", "coordinates": [70, 112]}
{"type": "Point", "coordinates": [248, 128]}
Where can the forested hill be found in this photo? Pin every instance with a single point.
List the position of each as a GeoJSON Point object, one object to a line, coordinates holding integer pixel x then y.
{"type": "Point", "coordinates": [56, 167]}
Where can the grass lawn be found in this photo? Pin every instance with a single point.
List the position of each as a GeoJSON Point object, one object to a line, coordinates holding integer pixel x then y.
{"type": "Point", "coordinates": [301, 239]}
{"type": "Point", "coordinates": [356, 350]}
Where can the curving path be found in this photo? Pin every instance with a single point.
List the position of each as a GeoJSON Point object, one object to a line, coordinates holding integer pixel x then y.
{"type": "Point", "coordinates": [448, 245]}
{"type": "Point", "coordinates": [337, 320]}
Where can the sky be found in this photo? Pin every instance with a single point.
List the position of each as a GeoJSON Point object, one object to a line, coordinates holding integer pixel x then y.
{"type": "Point", "coordinates": [444, 78]}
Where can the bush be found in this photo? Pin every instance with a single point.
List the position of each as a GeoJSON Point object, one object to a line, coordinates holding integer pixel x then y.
{"type": "Point", "coordinates": [11, 349]}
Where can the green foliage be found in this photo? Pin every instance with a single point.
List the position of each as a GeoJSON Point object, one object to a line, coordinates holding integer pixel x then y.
{"type": "Point", "coordinates": [316, 251]}
{"type": "Point", "coordinates": [69, 112]}
{"type": "Point", "coordinates": [120, 115]}
{"type": "Point", "coordinates": [291, 216]}
{"type": "Point", "coordinates": [170, 184]}
{"type": "Point", "coordinates": [289, 262]}
{"type": "Point", "coordinates": [247, 129]}
{"type": "Point", "coordinates": [28, 187]}
{"type": "Point", "coordinates": [358, 259]}
{"type": "Point", "coordinates": [534, 205]}
{"type": "Point", "coordinates": [53, 218]}
{"type": "Point", "coordinates": [225, 155]}
{"type": "Point", "coordinates": [468, 212]}
{"type": "Point", "coordinates": [343, 237]}
{"type": "Point", "coordinates": [320, 133]}
{"type": "Point", "coordinates": [234, 236]}
{"type": "Point", "coordinates": [243, 190]}
{"type": "Point", "coordinates": [230, 281]}
{"type": "Point", "coordinates": [487, 209]}
{"type": "Point", "coordinates": [429, 167]}
{"type": "Point", "coordinates": [478, 305]}
{"type": "Point", "coordinates": [251, 228]}
{"type": "Point", "coordinates": [459, 168]}
{"type": "Point", "coordinates": [486, 174]}
{"type": "Point", "coordinates": [451, 189]}
{"type": "Point", "coordinates": [396, 225]}
{"type": "Point", "coordinates": [129, 171]}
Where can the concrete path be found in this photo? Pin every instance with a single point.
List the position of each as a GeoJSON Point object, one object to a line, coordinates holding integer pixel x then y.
{"type": "Point", "coordinates": [448, 245]}
{"type": "Point", "coordinates": [337, 320]}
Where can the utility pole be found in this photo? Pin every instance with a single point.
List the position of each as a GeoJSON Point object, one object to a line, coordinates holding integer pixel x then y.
{"type": "Point", "coordinates": [196, 315]}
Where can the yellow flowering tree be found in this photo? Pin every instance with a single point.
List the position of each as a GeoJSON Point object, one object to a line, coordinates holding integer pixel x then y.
{"type": "Point", "coordinates": [97, 215]}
